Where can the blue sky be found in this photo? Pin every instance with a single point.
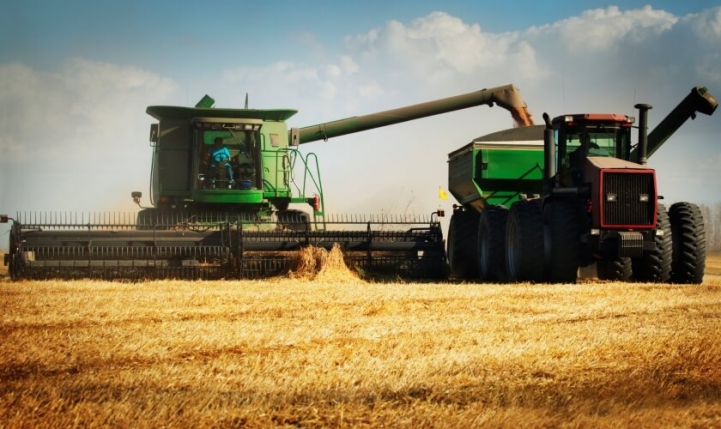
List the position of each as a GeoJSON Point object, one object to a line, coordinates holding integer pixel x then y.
{"type": "Point", "coordinates": [76, 77]}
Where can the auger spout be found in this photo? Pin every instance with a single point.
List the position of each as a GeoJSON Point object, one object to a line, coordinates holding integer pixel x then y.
{"type": "Point", "coordinates": [507, 97]}
{"type": "Point", "coordinates": [698, 100]}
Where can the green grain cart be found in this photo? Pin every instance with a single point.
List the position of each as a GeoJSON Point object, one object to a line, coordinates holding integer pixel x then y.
{"type": "Point", "coordinates": [539, 202]}
{"type": "Point", "coordinates": [243, 215]}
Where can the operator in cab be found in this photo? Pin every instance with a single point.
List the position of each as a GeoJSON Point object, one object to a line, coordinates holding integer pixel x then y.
{"type": "Point", "coordinates": [220, 155]}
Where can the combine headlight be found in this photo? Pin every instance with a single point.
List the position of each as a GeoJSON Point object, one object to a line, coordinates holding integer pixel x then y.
{"type": "Point", "coordinates": [643, 198]}
{"type": "Point", "coordinates": [611, 197]}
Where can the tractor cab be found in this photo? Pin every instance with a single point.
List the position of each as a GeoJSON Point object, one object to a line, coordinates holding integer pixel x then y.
{"type": "Point", "coordinates": [582, 136]}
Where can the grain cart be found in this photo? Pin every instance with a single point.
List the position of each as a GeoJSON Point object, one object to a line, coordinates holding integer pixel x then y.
{"type": "Point", "coordinates": [237, 218]}
{"type": "Point", "coordinates": [537, 203]}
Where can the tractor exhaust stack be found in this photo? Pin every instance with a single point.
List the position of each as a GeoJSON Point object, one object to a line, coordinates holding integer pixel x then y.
{"type": "Point", "coordinates": [643, 132]}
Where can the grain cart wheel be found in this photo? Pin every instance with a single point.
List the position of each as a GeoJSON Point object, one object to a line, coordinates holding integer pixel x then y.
{"type": "Point", "coordinates": [689, 243]}
{"type": "Point", "coordinates": [492, 243]}
{"type": "Point", "coordinates": [655, 265]}
{"type": "Point", "coordinates": [561, 229]}
{"type": "Point", "coordinates": [618, 269]}
{"type": "Point", "coordinates": [462, 252]}
{"type": "Point", "coordinates": [524, 242]}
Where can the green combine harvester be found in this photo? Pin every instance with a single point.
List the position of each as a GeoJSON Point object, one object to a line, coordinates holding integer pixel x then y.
{"type": "Point", "coordinates": [239, 208]}
{"type": "Point", "coordinates": [537, 203]}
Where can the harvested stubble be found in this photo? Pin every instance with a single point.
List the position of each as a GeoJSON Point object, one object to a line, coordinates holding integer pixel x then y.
{"type": "Point", "coordinates": [293, 352]}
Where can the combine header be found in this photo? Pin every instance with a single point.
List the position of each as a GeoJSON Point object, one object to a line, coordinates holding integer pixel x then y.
{"type": "Point", "coordinates": [225, 197]}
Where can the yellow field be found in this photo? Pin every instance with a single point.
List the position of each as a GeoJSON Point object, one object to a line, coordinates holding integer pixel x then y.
{"type": "Point", "coordinates": [337, 351]}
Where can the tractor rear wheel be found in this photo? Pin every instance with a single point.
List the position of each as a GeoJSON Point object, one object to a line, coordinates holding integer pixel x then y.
{"type": "Point", "coordinates": [688, 243]}
{"type": "Point", "coordinates": [655, 266]}
{"type": "Point", "coordinates": [492, 243]}
{"type": "Point", "coordinates": [618, 269]}
{"type": "Point", "coordinates": [561, 224]}
{"type": "Point", "coordinates": [524, 242]}
{"type": "Point", "coordinates": [462, 252]}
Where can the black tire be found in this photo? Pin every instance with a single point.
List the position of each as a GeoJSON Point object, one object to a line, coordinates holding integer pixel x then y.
{"type": "Point", "coordinates": [655, 266]}
{"type": "Point", "coordinates": [688, 244]}
{"type": "Point", "coordinates": [524, 242]}
{"type": "Point", "coordinates": [619, 269]}
{"type": "Point", "coordinates": [492, 243]}
{"type": "Point", "coordinates": [561, 226]}
{"type": "Point", "coordinates": [462, 237]}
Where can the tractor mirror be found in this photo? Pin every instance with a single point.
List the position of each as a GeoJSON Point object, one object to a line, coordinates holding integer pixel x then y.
{"type": "Point", "coordinates": [153, 133]}
{"type": "Point", "coordinates": [294, 137]}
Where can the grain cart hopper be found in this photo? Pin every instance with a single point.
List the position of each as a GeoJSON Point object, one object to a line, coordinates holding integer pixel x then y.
{"type": "Point", "coordinates": [239, 218]}
{"type": "Point", "coordinates": [535, 207]}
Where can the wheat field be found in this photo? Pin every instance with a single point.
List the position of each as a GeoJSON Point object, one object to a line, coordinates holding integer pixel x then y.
{"type": "Point", "coordinates": [331, 350]}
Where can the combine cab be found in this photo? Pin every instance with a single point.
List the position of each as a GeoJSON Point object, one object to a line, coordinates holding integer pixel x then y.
{"type": "Point", "coordinates": [233, 197]}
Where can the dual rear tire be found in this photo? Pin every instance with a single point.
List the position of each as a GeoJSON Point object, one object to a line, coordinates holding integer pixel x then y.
{"type": "Point", "coordinates": [525, 242]}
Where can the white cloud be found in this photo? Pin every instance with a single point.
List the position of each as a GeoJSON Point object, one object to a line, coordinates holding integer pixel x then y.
{"type": "Point", "coordinates": [708, 69]}
{"type": "Point", "coordinates": [600, 29]}
{"type": "Point", "coordinates": [439, 48]}
{"type": "Point", "coordinates": [348, 65]}
{"type": "Point", "coordinates": [370, 90]}
{"type": "Point", "coordinates": [82, 108]}
{"type": "Point", "coordinates": [77, 136]}
{"type": "Point", "coordinates": [707, 25]}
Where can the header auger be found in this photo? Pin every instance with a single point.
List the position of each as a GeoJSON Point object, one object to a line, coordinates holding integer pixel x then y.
{"type": "Point", "coordinates": [226, 203]}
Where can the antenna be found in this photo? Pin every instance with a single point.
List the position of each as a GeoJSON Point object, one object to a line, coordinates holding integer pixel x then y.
{"type": "Point", "coordinates": [563, 93]}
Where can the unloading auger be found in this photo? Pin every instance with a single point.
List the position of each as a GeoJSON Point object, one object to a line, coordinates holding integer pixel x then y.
{"type": "Point", "coordinates": [234, 214]}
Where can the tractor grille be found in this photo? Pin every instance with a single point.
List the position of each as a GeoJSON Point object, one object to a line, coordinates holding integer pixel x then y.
{"type": "Point", "coordinates": [628, 210]}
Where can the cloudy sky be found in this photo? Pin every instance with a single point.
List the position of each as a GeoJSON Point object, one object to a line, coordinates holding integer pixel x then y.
{"type": "Point", "coordinates": [77, 76]}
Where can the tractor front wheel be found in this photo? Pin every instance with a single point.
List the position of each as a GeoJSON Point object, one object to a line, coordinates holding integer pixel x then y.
{"type": "Point", "coordinates": [618, 269]}
{"type": "Point", "coordinates": [655, 266]}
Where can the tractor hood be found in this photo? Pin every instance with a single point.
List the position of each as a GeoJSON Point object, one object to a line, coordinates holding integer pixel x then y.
{"type": "Point", "coordinates": [608, 178]}
{"type": "Point", "coordinates": [596, 163]}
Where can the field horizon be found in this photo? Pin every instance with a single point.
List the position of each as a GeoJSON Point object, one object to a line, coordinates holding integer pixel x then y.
{"type": "Point", "coordinates": [334, 350]}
